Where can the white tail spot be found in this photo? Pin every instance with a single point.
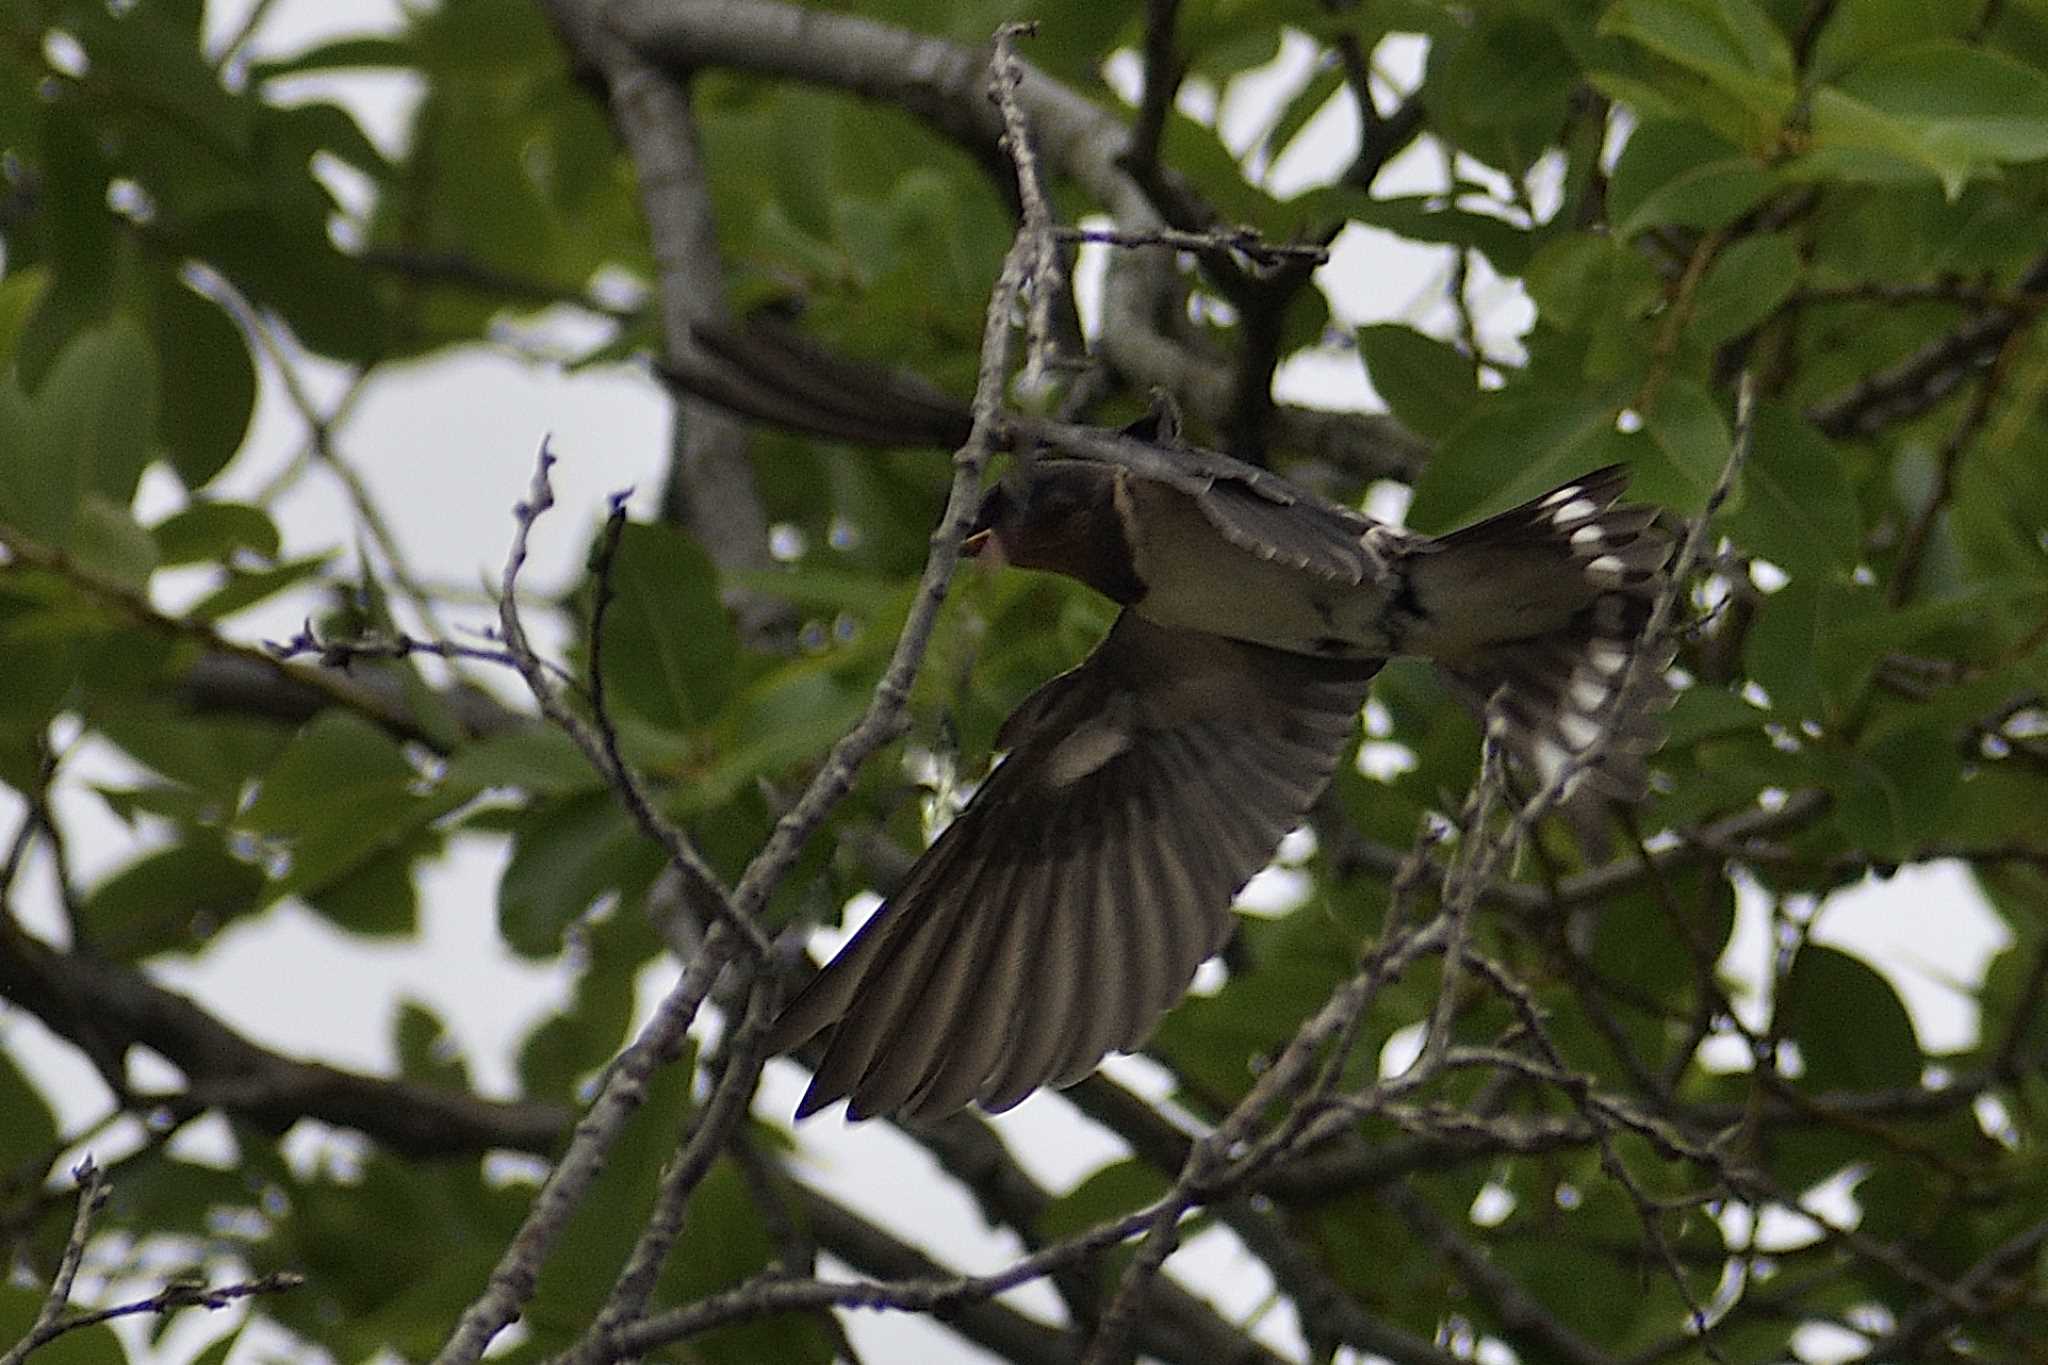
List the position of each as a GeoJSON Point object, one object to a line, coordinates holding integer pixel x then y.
{"type": "Point", "coordinates": [1564, 494]}
{"type": "Point", "coordinates": [1577, 730]}
{"type": "Point", "coordinates": [1607, 567]}
{"type": "Point", "coordinates": [1588, 693]}
{"type": "Point", "coordinates": [1587, 535]}
{"type": "Point", "coordinates": [1578, 509]}
{"type": "Point", "coordinates": [1607, 657]}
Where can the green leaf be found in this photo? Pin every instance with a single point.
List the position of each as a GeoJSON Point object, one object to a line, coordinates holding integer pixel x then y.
{"type": "Point", "coordinates": [1688, 433]}
{"type": "Point", "coordinates": [427, 1052]}
{"type": "Point", "coordinates": [341, 54]}
{"type": "Point", "coordinates": [214, 755]}
{"type": "Point", "coordinates": [1638, 942]}
{"type": "Point", "coordinates": [1946, 108]}
{"type": "Point", "coordinates": [566, 854]}
{"type": "Point", "coordinates": [209, 393]}
{"type": "Point", "coordinates": [1428, 383]}
{"type": "Point", "coordinates": [1603, 292]}
{"type": "Point", "coordinates": [85, 430]}
{"type": "Point", "coordinates": [1565, 1261]}
{"type": "Point", "coordinates": [1510, 451]}
{"type": "Point", "coordinates": [336, 761]}
{"type": "Point", "coordinates": [81, 236]}
{"type": "Point", "coordinates": [1893, 788]}
{"type": "Point", "coordinates": [669, 647]}
{"type": "Point", "coordinates": [1106, 1193]}
{"type": "Point", "coordinates": [173, 900]}
{"type": "Point", "coordinates": [207, 532]}
{"type": "Point", "coordinates": [279, 255]}
{"type": "Point", "coordinates": [1817, 639]}
{"type": "Point", "coordinates": [563, 1050]}
{"type": "Point", "coordinates": [100, 398]}
{"type": "Point", "coordinates": [539, 759]}
{"type": "Point", "coordinates": [243, 590]}
{"type": "Point", "coordinates": [1703, 712]}
{"type": "Point", "coordinates": [601, 1231]}
{"type": "Point", "coordinates": [95, 1345]}
{"type": "Point", "coordinates": [1676, 173]}
{"type": "Point", "coordinates": [28, 1139]}
{"type": "Point", "coordinates": [1852, 1029]}
{"type": "Point", "coordinates": [1796, 508]}
{"type": "Point", "coordinates": [1857, 30]}
{"type": "Point", "coordinates": [1743, 286]}
{"type": "Point", "coordinates": [1502, 90]}
{"type": "Point", "coordinates": [1732, 44]}
{"type": "Point", "coordinates": [107, 544]}
{"type": "Point", "coordinates": [340, 800]}
{"type": "Point", "coordinates": [794, 713]}
{"type": "Point", "coordinates": [371, 895]}
{"type": "Point", "coordinates": [21, 293]}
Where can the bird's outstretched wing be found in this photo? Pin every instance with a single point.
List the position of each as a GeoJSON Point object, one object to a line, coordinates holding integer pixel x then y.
{"type": "Point", "coordinates": [1068, 905]}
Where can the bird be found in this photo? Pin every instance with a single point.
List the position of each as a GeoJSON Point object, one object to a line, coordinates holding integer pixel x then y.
{"type": "Point", "coordinates": [1068, 905]}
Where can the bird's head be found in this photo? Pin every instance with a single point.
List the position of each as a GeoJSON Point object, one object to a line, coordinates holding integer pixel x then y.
{"type": "Point", "coordinates": [1063, 516]}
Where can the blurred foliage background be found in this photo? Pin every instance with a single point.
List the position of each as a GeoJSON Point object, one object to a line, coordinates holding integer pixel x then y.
{"type": "Point", "coordinates": [1843, 198]}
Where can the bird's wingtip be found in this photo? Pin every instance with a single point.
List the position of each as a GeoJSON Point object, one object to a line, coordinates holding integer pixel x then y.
{"type": "Point", "coordinates": [815, 1100]}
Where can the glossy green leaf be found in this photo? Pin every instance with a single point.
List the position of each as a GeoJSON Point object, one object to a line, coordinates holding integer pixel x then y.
{"type": "Point", "coordinates": [336, 760]}
{"type": "Point", "coordinates": [1744, 286]}
{"type": "Point", "coordinates": [565, 855]}
{"type": "Point", "coordinates": [86, 429]}
{"type": "Point", "coordinates": [174, 900]}
{"type": "Point", "coordinates": [1689, 433]}
{"type": "Point", "coordinates": [1796, 508]}
{"type": "Point", "coordinates": [1732, 44]}
{"type": "Point", "coordinates": [28, 1140]}
{"type": "Point", "coordinates": [1512, 444]}
{"type": "Point", "coordinates": [207, 532]}
{"type": "Point", "coordinates": [243, 590]}
{"type": "Point", "coordinates": [209, 383]}
{"type": "Point", "coordinates": [1106, 1194]}
{"type": "Point", "coordinates": [559, 1055]}
{"type": "Point", "coordinates": [101, 400]}
{"type": "Point", "coordinates": [89, 1346]}
{"type": "Point", "coordinates": [1941, 108]}
{"type": "Point", "coordinates": [1857, 30]}
{"type": "Point", "coordinates": [1428, 383]}
{"type": "Point", "coordinates": [369, 893]}
{"type": "Point", "coordinates": [106, 543]}
{"type": "Point", "coordinates": [540, 760]}
{"type": "Point", "coordinates": [1851, 1027]}
{"type": "Point", "coordinates": [1501, 91]}
{"type": "Point", "coordinates": [668, 645]}
{"type": "Point", "coordinates": [426, 1050]}
{"type": "Point", "coordinates": [1676, 173]}
{"type": "Point", "coordinates": [21, 292]}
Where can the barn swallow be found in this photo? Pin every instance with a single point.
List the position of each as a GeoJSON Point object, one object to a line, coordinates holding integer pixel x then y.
{"type": "Point", "coordinates": [1066, 908]}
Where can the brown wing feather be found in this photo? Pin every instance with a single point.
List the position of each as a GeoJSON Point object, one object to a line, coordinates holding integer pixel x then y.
{"type": "Point", "coordinates": [1068, 906]}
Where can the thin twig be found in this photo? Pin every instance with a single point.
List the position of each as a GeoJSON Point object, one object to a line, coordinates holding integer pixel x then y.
{"type": "Point", "coordinates": [1047, 277]}
{"type": "Point", "coordinates": [50, 1322]}
{"type": "Point", "coordinates": [602, 752]}
{"type": "Point", "coordinates": [1247, 242]}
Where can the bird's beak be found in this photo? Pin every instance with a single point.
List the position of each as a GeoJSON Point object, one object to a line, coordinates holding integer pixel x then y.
{"type": "Point", "coordinates": [986, 547]}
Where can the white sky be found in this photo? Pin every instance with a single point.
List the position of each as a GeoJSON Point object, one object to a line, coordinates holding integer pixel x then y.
{"type": "Point", "coordinates": [447, 446]}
